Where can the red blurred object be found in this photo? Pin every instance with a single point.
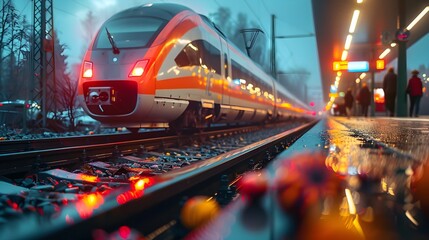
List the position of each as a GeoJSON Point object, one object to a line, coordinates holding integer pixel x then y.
{"type": "Point", "coordinates": [253, 184]}
{"type": "Point", "coordinates": [124, 232]}
{"type": "Point", "coordinates": [303, 181]}
{"type": "Point", "coordinates": [86, 206]}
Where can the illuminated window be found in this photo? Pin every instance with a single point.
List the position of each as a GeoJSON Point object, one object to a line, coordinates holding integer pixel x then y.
{"type": "Point", "coordinates": [200, 53]}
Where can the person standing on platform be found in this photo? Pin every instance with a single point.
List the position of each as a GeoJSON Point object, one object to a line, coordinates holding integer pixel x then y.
{"type": "Point", "coordinates": [389, 88]}
{"type": "Point", "coordinates": [348, 98]}
{"type": "Point", "coordinates": [415, 90]}
{"type": "Point", "coordinates": [364, 98]}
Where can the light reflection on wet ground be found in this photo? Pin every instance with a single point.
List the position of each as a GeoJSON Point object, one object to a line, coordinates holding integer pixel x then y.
{"type": "Point", "coordinates": [385, 154]}
{"type": "Point", "coordinates": [379, 190]}
{"type": "Point", "coordinates": [405, 134]}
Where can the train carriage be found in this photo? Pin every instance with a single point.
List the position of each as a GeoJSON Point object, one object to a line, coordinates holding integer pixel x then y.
{"type": "Point", "coordinates": [163, 65]}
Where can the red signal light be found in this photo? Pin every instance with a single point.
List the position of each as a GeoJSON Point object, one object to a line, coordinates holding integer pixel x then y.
{"type": "Point", "coordinates": [138, 68]}
{"type": "Point", "coordinates": [87, 69]}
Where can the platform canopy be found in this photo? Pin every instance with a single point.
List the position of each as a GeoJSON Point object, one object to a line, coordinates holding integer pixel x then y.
{"type": "Point", "coordinates": [376, 29]}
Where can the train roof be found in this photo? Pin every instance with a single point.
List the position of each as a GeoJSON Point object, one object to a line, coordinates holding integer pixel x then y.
{"type": "Point", "coordinates": [159, 10]}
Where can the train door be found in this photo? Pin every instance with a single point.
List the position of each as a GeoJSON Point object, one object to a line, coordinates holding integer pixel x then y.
{"type": "Point", "coordinates": [226, 72]}
{"type": "Point", "coordinates": [275, 110]}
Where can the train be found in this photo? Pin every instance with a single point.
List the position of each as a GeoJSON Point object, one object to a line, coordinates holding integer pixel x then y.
{"type": "Point", "coordinates": [164, 65]}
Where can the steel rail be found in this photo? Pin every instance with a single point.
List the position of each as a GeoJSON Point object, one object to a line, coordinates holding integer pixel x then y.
{"type": "Point", "coordinates": [22, 162]}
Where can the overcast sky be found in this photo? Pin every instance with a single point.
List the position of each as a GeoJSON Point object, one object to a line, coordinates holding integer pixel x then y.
{"type": "Point", "coordinates": [294, 17]}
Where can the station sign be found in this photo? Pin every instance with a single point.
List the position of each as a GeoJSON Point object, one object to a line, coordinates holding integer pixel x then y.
{"type": "Point", "coordinates": [340, 65]}
{"type": "Point", "coordinates": [380, 64]}
{"type": "Point", "coordinates": [358, 66]}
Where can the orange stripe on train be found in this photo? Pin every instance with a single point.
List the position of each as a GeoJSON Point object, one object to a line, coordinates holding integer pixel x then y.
{"type": "Point", "coordinates": [196, 82]}
{"type": "Point", "coordinates": [157, 55]}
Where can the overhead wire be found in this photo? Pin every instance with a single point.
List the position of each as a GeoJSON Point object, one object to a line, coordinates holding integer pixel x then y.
{"type": "Point", "coordinates": [26, 5]}
{"type": "Point", "coordinates": [290, 58]}
{"type": "Point", "coordinates": [256, 16]}
{"type": "Point", "coordinates": [219, 5]}
{"type": "Point", "coordinates": [266, 8]}
{"type": "Point", "coordinates": [81, 4]}
{"type": "Point", "coordinates": [64, 11]}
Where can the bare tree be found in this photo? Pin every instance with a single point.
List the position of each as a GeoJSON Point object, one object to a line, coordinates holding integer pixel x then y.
{"type": "Point", "coordinates": [7, 24]}
{"type": "Point", "coordinates": [89, 25]}
{"type": "Point", "coordinates": [67, 88]}
{"type": "Point", "coordinates": [232, 29]}
{"type": "Point", "coordinates": [222, 18]}
{"type": "Point", "coordinates": [15, 40]}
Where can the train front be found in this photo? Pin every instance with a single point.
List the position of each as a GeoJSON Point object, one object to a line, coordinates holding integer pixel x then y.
{"type": "Point", "coordinates": [118, 74]}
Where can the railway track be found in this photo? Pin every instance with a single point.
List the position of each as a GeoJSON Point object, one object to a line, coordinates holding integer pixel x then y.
{"type": "Point", "coordinates": [106, 192]}
{"type": "Point", "coordinates": [64, 152]}
{"type": "Point", "coordinates": [24, 145]}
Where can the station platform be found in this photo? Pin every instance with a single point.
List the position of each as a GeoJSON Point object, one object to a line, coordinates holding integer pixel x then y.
{"type": "Point", "coordinates": [354, 178]}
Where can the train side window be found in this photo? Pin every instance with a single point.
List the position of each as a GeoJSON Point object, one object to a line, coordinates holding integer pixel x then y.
{"type": "Point", "coordinates": [211, 57]}
{"type": "Point", "coordinates": [199, 53]}
{"type": "Point", "coordinates": [190, 55]}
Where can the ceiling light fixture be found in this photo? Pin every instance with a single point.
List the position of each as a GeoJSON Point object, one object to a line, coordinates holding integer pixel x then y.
{"type": "Point", "coordinates": [417, 19]}
{"type": "Point", "coordinates": [354, 21]}
{"type": "Point", "coordinates": [384, 53]}
{"type": "Point", "coordinates": [348, 42]}
{"type": "Point", "coordinates": [344, 55]}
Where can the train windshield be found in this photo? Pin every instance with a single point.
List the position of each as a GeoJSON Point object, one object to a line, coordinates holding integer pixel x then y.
{"type": "Point", "coordinates": [130, 32]}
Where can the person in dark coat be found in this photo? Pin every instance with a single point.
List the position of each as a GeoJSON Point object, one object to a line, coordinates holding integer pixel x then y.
{"type": "Point", "coordinates": [348, 98]}
{"type": "Point", "coordinates": [389, 88]}
{"type": "Point", "coordinates": [364, 99]}
{"type": "Point", "coordinates": [415, 90]}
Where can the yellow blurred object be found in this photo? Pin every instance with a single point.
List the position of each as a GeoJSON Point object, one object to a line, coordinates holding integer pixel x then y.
{"type": "Point", "coordinates": [198, 210]}
{"type": "Point", "coordinates": [330, 228]}
{"type": "Point", "coordinates": [419, 183]}
{"type": "Point", "coordinates": [368, 215]}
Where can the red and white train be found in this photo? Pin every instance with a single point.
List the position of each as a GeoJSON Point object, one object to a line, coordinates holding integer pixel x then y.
{"type": "Point", "coordinates": [163, 65]}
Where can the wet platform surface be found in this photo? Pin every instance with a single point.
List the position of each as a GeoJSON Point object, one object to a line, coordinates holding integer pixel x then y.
{"type": "Point", "coordinates": [356, 178]}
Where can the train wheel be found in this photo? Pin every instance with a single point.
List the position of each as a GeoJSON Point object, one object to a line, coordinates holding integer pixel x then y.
{"type": "Point", "coordinates": [191, 118]}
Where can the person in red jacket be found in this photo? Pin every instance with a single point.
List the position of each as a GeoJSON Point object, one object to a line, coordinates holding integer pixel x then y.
{"type": "Point", "coordinates": [415, 90]}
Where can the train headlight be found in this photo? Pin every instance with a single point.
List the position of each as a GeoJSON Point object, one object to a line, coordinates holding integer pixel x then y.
{"type": "Point", "coordinates": [138, 68]}
{"type": "Point", "coordinates": [87, 69]}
